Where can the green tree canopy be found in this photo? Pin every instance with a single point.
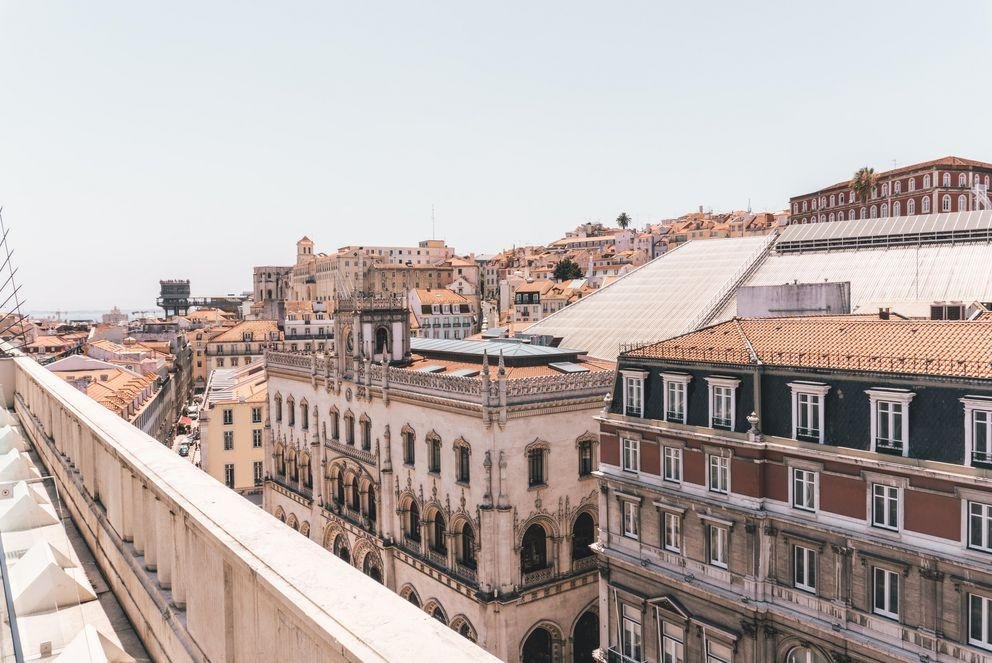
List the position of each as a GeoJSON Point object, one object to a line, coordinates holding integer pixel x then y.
{"type": "Point", "coordinates": [623, 220]}
{"type": "Point", "coordinates": [567, 269]}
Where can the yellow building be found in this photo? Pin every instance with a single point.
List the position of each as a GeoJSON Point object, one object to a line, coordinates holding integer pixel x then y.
{"type": "Point", "coordinates": [241, 345]}
{"type": "Point", "coordinates": [231, 425]}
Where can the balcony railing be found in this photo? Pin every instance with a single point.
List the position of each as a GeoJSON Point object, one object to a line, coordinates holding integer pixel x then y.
{"type": "Point", "coordinates": [207, 574]}
{"type": "Point", "coordinates": [539, 576]}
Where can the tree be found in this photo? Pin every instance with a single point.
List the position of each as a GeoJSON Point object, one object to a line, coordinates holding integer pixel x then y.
{"type": "Point", "coordinates": [567, 269]}
{"type": "Point", "coordinates": [623, 220]}
{"type": "Point", "coordinates": [863, 182]}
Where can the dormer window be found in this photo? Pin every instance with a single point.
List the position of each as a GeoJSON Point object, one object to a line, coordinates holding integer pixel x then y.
{"type": "Point", "coordinates": [808, 410]}
{"type": "Point", "coordinates": [676, 386]}
{"type": "Point", "coordinates": [247, 337]}
{"type": "Point", "coordinates": [890, 420]}
{"type": "Point", "coordinates": [633, 392]}
{"type": "Point", "coordinates": [723, 401]}
{"type": "Point", "coordinates": [977, 431]}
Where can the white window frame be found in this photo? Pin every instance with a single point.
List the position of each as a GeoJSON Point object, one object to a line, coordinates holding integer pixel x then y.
{"type": "Point", "coordinates": [630, 378]}
{"type": "Point", "coordinates": [671, 457]}
{"type": "Point", "coordinates": [718, 657]}
{"type": "Point", "coordinates": [630, 454]}
{"type": "Point", "coordinates": [805, 580]}
{"type": "Point", "coordinates": [720, 459]}
{"type": "Point", "coordinates": [983, 514]}
{"type": "Point", "coordinates": [892, 396]}
{"type": "Point", "coordinates": [228, 440]}
{"type": "Point", "coordinates": [671, 641]}
{"type": "Point", "coordinates": [889, 577]}
{"type": "Point", "coordinates": [718, 545]}
{"type": "Point", "coordinates": [671, 521]}
{"type": "Point", "coordinates": [976, 405]}
{"type": "Point", "coordinates": [984, 641]}
{"type": "Point", "coordinates": [888, 494]}
{"type": "Point", "coordinates": [810, 480]}
{"type": "Point", "coordinates": [678, 382]}
{"type": "Point", "coordinates": [633, 650]}
{"type": "Point", "coordinates": [630, 511]}
{"type": "Point", "coordinates": [714, 382]}
{"type": "Point", "coordinates": [815, 390]}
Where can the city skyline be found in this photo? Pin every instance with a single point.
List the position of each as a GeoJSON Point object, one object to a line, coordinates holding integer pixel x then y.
{"type": "Point", "coordinates": [183, 151]}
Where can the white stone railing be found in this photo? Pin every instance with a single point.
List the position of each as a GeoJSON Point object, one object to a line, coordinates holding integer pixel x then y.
{"type": "Point", "coordinates": [205, 574]}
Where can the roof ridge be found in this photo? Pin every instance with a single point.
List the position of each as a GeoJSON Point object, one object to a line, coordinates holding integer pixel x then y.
{"type": "Point", "coordinates": [746, 341]}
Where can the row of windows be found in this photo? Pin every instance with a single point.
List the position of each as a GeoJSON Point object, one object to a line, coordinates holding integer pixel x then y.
{"type": "Point", "coordinates": [671, 641]}
{"type": "Point", "coordinates": [889, 412]}
{"type": "Point", "coordinates": [256, 439]}
{"type": "Point", "coordinates": [257, 472]}
{"type": "Point", "coordinates": [228, 416]}
{"type": "Point", "coordinates": [839, 199]}
{"type": "Point", "coordinates": [876, 211]}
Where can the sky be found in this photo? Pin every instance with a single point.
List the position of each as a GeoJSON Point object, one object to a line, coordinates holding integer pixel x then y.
{"type": "Point", "coordinates": [141, 141]}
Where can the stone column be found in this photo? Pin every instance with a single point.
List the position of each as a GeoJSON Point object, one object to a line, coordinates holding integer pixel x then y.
{"type": "Point", "coordinates": [137, 491]}
{"type": "Point", "coordinates": [166, 551]}
{"type": "Point", "coordinates": [150, 509]}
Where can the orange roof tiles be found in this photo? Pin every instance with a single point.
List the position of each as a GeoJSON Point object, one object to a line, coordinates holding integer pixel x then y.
{"type": "Point", "coordinates": [850, 343]}
{"type": "Point", "coordinates": [439, 296]}
{"type": "Point", "coordinates": [260, 330]}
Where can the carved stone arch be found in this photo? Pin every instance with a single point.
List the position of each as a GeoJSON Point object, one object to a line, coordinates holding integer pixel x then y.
{"type": "Point", "coordinates": [293, 522]}
{"type": "Point", "coordinates": [405, 497]}
{"type": "Point", "coordinates": [362, 547]}
{"type": "Point", "coordinates": [333, 410]}
{"type": "Point", "coordinates": [461, 442]}
{"type": "Point", "coordinates": [280, 514]}
{"type": "Point", "coordinates": [557, 638]}
{"type": "Point", "coordinates": [461, 625]}
{"type": "Point", "coordinates": [536, 445]}
{"type": "Point", "coordinates": [788, 644]}
{"type": "Point", "coordinates": [432, 436]}
{"type": "Point", "coordinates": [409, 593]}
{"type": "Point", "coordinates": [587, 436]}
{"type": "Point", "coordinates": [549, 524]}
{"type": "Point", "coordinates": [592, 606]}
{"type": "Point", "coordinates": [408, 430]}
{"type": "Point", "coordinates": [434, 608]}
{"type": "Point", "coordinates": [331, 531]}
{"type": "Point", "coordinates": [305, 528]}
{"type": "Point", "coordinates": [372, 565]}
{"type": "Point", "coordinates": [342, 547]}
{"type": "Point", "coordinates": [589, 507]}
{"type": "Point", "coordinates": [364, 419]}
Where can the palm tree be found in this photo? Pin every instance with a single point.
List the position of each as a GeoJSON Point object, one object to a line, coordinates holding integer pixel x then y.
{"type": "Point", "coordinates": [863, 182]}
{"type": "Point", "coordinates": [623, 220]}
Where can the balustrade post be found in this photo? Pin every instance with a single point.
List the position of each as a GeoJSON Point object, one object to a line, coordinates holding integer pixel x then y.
{"type": "Point", "coordinates": [180, 563]}
{"type": "Point", "coordinates": [138, 531]}
{"type": "Point", "coordinates": [127, 504]}
{"type": "Point", "coordinates": [151, 526]}
{"type": "Point", "coordinates": [165, 543]}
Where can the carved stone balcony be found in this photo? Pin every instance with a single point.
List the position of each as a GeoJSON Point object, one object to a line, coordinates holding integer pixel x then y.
{"type": "Point", "coordinates": [537, 577]}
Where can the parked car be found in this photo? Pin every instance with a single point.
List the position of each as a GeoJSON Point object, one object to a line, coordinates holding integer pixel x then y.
{"type": "Point", "coordinates": [184, 450]}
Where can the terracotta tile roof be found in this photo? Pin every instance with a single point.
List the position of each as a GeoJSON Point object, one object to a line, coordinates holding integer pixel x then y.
{"type": "Point", "coordinates": [849, 343]}
{"type": "Point", "coordinates": [260, 330]}
{"type": "Point", "coordinates": [951, 161]}
{"type": "Point", "coordinates": [439, 296]}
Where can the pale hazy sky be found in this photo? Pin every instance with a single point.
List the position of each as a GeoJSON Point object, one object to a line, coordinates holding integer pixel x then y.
{"type": "Point", "coordinates": [141, 141]}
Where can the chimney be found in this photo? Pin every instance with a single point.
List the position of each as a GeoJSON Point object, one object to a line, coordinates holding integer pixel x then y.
{"type": "Point", "coordinates": [883, 313]}
{"type": "Point", "coordinates": [700, 209]}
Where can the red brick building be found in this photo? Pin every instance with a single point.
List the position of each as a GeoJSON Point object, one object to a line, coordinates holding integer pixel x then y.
{"type": "Point", "coordinates": [941, 185]}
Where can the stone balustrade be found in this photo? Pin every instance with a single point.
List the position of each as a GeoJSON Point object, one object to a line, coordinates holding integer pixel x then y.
{"type": "Point", "coordinates": [201, 572]}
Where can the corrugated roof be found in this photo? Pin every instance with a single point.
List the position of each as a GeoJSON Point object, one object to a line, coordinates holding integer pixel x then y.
{"type": "Point", "coordinates": [666, 297]}
{"type": "Point", "coordinates": [508, 348]}
{"type": "Point", "coordinates": [888, 231]}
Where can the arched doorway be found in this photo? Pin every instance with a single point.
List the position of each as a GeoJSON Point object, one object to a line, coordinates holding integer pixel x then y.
{"type": "Point", "coordinates": [537, 647]}
{"type": "Point", "coordinates": [585, 637]}
{"type": "Point", "coordinates": [381, 340]}
{"type": "Point", "coordinates": [533, 551]}
{"type": "Point", "coordinates": [582, 536]}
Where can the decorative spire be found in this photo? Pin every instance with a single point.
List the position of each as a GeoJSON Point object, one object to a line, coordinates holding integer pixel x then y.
{"type": "Point", "coordinates": [485, 362]}
{"type": "Point", "coordinates": [502, 365]}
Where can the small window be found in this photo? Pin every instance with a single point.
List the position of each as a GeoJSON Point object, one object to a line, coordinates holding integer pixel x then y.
{"type": "Point", "coordinates": [633, 647]}
{"type": "Point", "coordinates": [719, 474]}
{"type": "Point", "coordinates": [885, 589]}
{"type": "Point", "coordinates": [229, 475]}
{"type": "Point", "coordinates": [808, 410]}
{"type": "Point", "coordinates": [980, 526]}
{"type": "Point", "coordinates": [804, 489]}
{"type": "Point", "coordinates": [717, 544]}
{"type": "Point", "coordinates": [889, 424]}
{"type": "Point", "coordinates": [926, 181]}
{"type": "Point", "coordinates": [926, 205]}
{"type": "Point", "coordinates": [633, 393]}
{"type": "Point", "coordinates": [980, 429]}
{"type": "Point", "coordinates": [535, 468]}
{"type": "Point", "coordinates": [631, 514]}
{"type": "Point", "coordinates": [885, 506]}
{"type": "Point", "coordinates": [962, 179]}
{"type": "Point", "coordinates": [804, 568]}
{"type": "Point", "coordinates": [722, 402]}
{"type": "Point", "coordinates": [462, 456]}
{"type": "Point", "coordinates": [718, 652]}
{"type": "Point", "coordinates": [228, 417]}
{"type": "Point", "coordinates": [258, 472]}
{"type": "Point", "coordinates": [585, 458]}
{"type": "Point", "coordinates": [675, 386]}
{"type": "Point", "coordinates": [673, 464]}
{"type": "Point", "coordinates": [912, 184]}
{"type": "Point", "coordinates": [672, 643]}
{"type": "Point", "coordinates": [409, 451]}
{"type": "Point", "coordinates": [673, 532]}
{"type": "Point", "coordinates": [434, 455]}
{"type": "Point", "coordinates": [980, 621]}
{"type": "Point", "coordinates": [228, 440]}
{"type": "Point", "coordinates": [256, 415]}
{"type": "Point", "coordinates": [366, 434]}
{"type": "Point", "coordinates": [945, 204]}
{"type": "Point", "coordinates": [631, 455]}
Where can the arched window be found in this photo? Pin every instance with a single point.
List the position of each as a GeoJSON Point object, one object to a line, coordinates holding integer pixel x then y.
{"type": "Point", "coordinates": [926, 181]}
{"type": "Point", "coordinates": [582, 536]}
{"type": "Point", "coordinates": [896, 209]}
{"type": "Point", "coordinates": [804, 655]}
{"type": "Point", "coordinates": [897, 186]}
{"type": "Point", "coordinates": [411, 596]}
{"type": "Point", "coordinates": [884, 210]}
{"type": "Point", "coordinates": [277, 406]}
{"type": "Point", "coordinates": [945, 204]}
{"type": "Point", "coordinates": [805, 207]}
{"type": "Point", "coordinates": [433, 453]}
{"type": "Point", "coordinates": [947, 179]}
{"type": "Point", "coordinates": [864, 213]}
{"type": "Point", "coordinates": [962, 203]}
{"type": "Point", "coordinates": [463, 455]}
{"type": "Point", "coordinates": [371, 567]}
{"type": "Point", "coordinates": [381, 340]}
{"type": "Point", "coordinates": [962, 179]}
{"type": "Point", "coordinates": [874, 211]}
{"type": "Point", "coordinates": [291, 411]}
{"type": "Point", "coordinates": [885, 190]}
{"type": "Point", "coordinates": [366, 426]}
{"type": "Point", "coordinates": [840, 216]}
{"type": "Point", "coordinates": [307, 471]}
{"type": "Point", "coordinates": [413, 523]}
{"type": "Point", "coordinates": [335, 425]}
{"type": "Point", "coordinates": [304, 415]}
{"type": "Point", "coordinates": [438, 614]}
{"type": "Point", "coordinates": [370, 505]}
{"type": "Point", "coordinates": [281, 460]}
{"type": "Point", "coordinates": [356, 495]}
{"type": "Point", "coordinates": [911, 206]}
{"type": "Point", "coordinates": [409, 451]}
{"type": "Point", "coordinates": [341, 548]}
{"type": "Point", "coordinates": [833, 200]}
{"type": "Point", "coordinates": [339, 487]}
{"type": "Point", "coordinates": [466, 554]}
{"type": "Point", "coordinates": [832, 217]}
{"type": "Point", "coordinates": [439, 534]}
{"type": "Point", "coordinates": [534, 550]}
{"type": "Point", "coordinates": [912, 184]}
{"type": "Point", "coordinates": [538, 647]}
{"type": "Point", "coordinates": [841, 199]}
{"type": "Point", "coordinates": [585, 458]}
{"type": "Point", "coordinates": [926, 205]}
{"type": "Point", "coordinates": [349, 428]}
{"type": "Point", "coordinates": [294, 468]}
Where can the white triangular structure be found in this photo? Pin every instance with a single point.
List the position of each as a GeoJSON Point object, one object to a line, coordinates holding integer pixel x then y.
{"type": "Point", "coordinates": [7, 417]}
{"type": "Point", "coordinates": [93, 646]}
{"type": "Point", "coordinates": [45, 550]}
{"type": "Point", "coordinates": [15, 467]}
{"type": "Point", "coordinates": [22, 510]}
{"type": "Point", "coordinates": [39, 583]}
{"type": "Point", "coordinates": [10, 438]}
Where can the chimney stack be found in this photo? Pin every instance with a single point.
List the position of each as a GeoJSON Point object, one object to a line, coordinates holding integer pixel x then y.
{"type": "Point", "coordinates": [883, 314]}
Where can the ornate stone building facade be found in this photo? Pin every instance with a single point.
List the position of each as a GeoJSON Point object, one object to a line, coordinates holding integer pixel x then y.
{"type": "Point", "coordinates": [800, 490]}
{"type": "Point", "coordinates": [458, 473]}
